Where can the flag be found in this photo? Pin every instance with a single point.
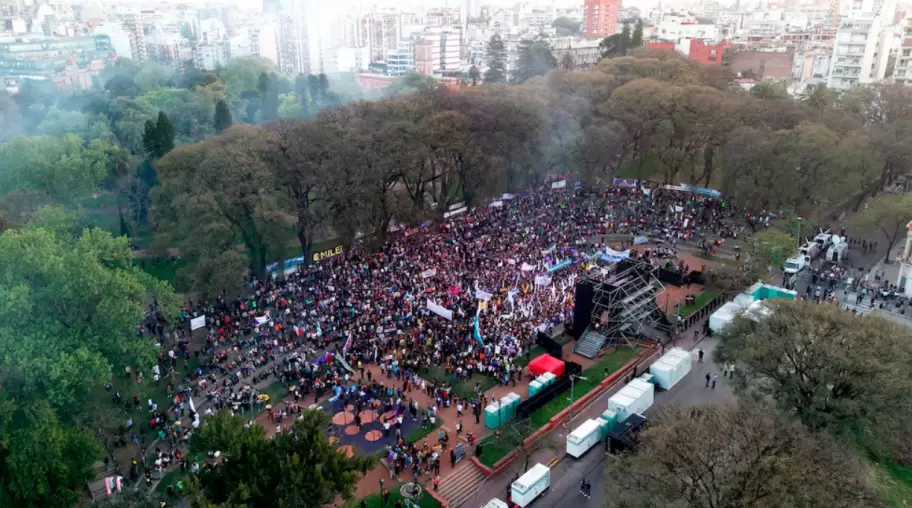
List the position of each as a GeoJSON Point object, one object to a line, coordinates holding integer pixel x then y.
{"type": "Point", "coordinates": [476, 332]}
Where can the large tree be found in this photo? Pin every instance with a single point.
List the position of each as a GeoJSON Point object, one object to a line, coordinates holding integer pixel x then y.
{"type": "Point", "coordinates": [60, 169]}
{"type": "Point", "coordinates": [496, 60]}
{"type": "Point", "coordinates": [219, 192]}
{"type": "Point", "coordinates": [734, 455]}
{"type": "Point", "coordinates": [830, 368]}
{"type": "Point", "coordinates": [534, 58]}
{"type": "Point", "coordinates": [887, 214]}
{"type": "Point", "coordinates": [297, 468]}
{"type": "Point", "coordinates": [222, 118]}
{"type": "Point", "coordinates": [73, 299]}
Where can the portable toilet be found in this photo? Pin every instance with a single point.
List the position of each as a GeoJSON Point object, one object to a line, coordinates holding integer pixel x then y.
{"type": "Point", "coordinates": [611, 418]}
{"type": "Point", "coordinates": [647, 377]}
{"type": "Point", "coordinates": [515, 400]}
{"type": "Point", "coordinates": [492, 416]}
{"type": "Point", "coordinates": [534, 388]}
{"type": "Point", "coordinates": [549, 378]}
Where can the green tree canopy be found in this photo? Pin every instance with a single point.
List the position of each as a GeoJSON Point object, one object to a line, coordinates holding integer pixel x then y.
{"type": "Point", "coordinates": [297, 468]}
{"type": "Point", "coordinates": [832, 369]}
{"type": "Point", "coordinates": [734, 455]}
{"type": "Point", "coordinates": [496, 60]}
{"type": "Point", "coordinates": [61, 168]}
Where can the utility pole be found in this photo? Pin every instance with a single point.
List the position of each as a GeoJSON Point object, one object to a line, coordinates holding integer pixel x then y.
{"type": "Point", "coordinates": [573, 378]}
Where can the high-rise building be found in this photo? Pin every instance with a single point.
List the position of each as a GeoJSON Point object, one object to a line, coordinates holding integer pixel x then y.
{"type": "Point", "coordinates": [864, 39]}
{"type": "Point", "coordinates": [600, 17]}
{"type": "Point", "coordinates": [401, 61]}
{"type": "Point", "coordinates": [438, 51]}
{"type": "Point", "coordinates": [69, 63]}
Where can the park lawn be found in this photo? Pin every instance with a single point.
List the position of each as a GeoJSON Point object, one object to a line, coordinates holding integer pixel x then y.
{"type": "Point", "coordinates": [422, 432]}
{"type": "Point", "coordinates": [594, 375]}
{"type": "Point", "coordinates": [700, 300]}
{"type": "Point", "coordinates": [375, 501]}
{"type": "Point", "coordinates": [894, 481]}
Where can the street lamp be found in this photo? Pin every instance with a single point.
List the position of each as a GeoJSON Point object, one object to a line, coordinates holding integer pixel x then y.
{"type": "Point", "coordinates": [573, 378]}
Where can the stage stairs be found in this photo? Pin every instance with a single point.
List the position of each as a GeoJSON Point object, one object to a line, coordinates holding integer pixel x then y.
{"type": "Point", "coordinates": [590, 343]}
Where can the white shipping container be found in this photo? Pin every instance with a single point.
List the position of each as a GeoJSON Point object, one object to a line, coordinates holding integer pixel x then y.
{"type": "Point", "coordinates": [530, 485]}
{"type": "Point", "coordinates": [635, 398]}
{"type": "Point", "coordinates": [584, 437]}
{"type": "Point", "coordinates": [671, 367]}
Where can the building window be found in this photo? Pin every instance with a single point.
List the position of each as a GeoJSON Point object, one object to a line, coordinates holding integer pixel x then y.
{"type": "Point", "coordinates": [712, 52]}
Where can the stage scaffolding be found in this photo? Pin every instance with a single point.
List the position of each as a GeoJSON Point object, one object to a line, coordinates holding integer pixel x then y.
{"type": "Point", "coordinates": [624, 306]}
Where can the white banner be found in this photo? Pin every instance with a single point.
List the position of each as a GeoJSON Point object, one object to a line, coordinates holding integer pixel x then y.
{"type": "Point", "coordinates": [507, 197]}
{"type": "Point", "coordinates": [678, 209]}
{"type": "Point", "coordinates": [559, 184]}
{"type": "Point", "coordinates": [483, 295]}
{"type": "Point", "coordinates": [639, 240]}
{"type": "Point", "coordinates": [429, 273]}
{"type": "Point", "coordinates": [439, 310]}
{"type": "Point", "coordinates": [542, 280]}
{"type": "Point", "coordinates": [526, 267]}
{"type": "Point", "coordinates": [262, 319]}
{"type": "Point", "coordinates": [454, 212]}
{"type": "Point", "coordinates": [198, 322]}
{"type": "Point", "coordinates": [496, 204]}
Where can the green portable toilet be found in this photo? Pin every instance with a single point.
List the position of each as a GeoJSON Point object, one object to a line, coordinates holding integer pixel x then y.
{"type": "Point", "coordinates": [648, 378]}
{"type": "Point", "coordinates": [505, 403]}
{"type": "Point", "coordinates": [515, 400]}
{"type": "Point", "coordinates": [610, 418]}
{"type": "Point", "coordinates": [492, 416]}
{"type": "Point", "coordinates": [534, 388]}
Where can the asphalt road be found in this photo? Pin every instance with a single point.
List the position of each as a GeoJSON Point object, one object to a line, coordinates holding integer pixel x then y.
{"type": "Point", "coordinates": [566, 475]}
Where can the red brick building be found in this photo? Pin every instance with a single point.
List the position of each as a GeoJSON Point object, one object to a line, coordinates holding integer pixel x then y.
{"type": "Point", "coordinates": [709, 54]}
{"type": "Point", "coordinates": [660, 45]}
{"type": "Point", "coordinates": [600, 17]}
{"type": "Point", "coordinates": [377, 82]}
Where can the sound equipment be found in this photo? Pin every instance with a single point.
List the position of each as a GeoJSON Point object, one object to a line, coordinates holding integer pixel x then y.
{"type": "Point", "coordinates": [550, 345]}
{"type": "Point", "coordinates": [582, 308]}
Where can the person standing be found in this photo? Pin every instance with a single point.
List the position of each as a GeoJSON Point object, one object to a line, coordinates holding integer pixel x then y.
{"type": "Point", "coordinates": [708, 378]}
{"type": "Point", "coordinates": [714, 378]}
{"type": "Point", "coordinates": [699, 356]}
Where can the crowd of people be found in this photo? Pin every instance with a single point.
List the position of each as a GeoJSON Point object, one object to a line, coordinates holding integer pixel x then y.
{"type": "Point", "coordinates": [467, 293]}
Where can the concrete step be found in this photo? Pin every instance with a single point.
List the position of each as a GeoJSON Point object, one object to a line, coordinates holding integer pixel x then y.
{"type": "Point", "coordinates": [461, 484]}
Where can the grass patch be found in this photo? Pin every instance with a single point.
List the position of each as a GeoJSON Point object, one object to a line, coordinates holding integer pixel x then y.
{"type": "Point", "coordinates": [422, 432]}
{"type": "Point", "coordinates": [463, 388]}
{"type": "Point", "coordinates": [171, 478]}
{"type": "Point", "coordinates": [894, 480]}
{"type": "Point", "coordinates": [699, 301]}
{"type": "Point", "coordinates": [536, 351]}
{"type": "Point", "coordinates": [607, 365]}
{"type": "Point", "coordinates": [376, 500]}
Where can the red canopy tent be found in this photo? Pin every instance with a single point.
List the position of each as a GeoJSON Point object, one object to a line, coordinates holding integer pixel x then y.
{"type": "Point", "coordinates": [546, 363]}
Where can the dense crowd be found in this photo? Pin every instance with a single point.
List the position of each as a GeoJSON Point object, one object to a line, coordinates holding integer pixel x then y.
{"type": "Point", "coordinates": [495, 275]}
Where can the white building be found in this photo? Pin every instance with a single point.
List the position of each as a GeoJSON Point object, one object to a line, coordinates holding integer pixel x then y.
{"type": "Point", "coordinates": [438, 51]}
{"type": "Point", "coordinates": [864, 39]}
{"type": "Point", "coordinates": [347, 60]}
{"type": "Point", "coordinates": [210, 56]}
{"type": "Point", "coordinates": [401, 61]}
{"type": "Point", "coordinates": [120, 39]}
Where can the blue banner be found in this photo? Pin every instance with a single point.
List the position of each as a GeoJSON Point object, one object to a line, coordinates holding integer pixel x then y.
{"type": "Point", "coordinates": [476, 332]}
{"type": "Point", "coordinates": [560, 266]}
